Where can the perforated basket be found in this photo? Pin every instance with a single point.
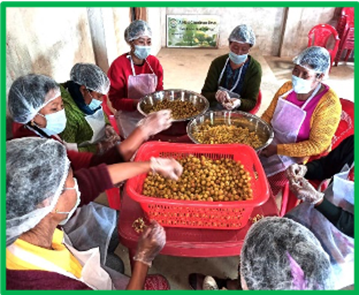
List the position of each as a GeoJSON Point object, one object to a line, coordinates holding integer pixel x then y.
{"type": "Point", "coordinates": [200, 214]}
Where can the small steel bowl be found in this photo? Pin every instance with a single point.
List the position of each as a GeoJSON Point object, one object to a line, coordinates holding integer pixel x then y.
{"type": "Point", "coordinates": [179, 125]}
{"type": "Point", "coordinates": [237, 118]}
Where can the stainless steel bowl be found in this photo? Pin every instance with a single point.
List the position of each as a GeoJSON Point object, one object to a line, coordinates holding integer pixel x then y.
{"type": "Point", "coordinates": [179, 125]}
{"type": "Point", "coordinates": [237, 118]}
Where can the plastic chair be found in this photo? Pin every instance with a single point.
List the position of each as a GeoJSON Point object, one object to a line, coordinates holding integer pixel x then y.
{"type": "Point", "coordinates": [258, 104]}
{"type": "Point", "coordinates": [345, 129]}
{"type": "Point", "coordinates": [345, 29]}
{"type": "Point", "coordinates": [321, 35]}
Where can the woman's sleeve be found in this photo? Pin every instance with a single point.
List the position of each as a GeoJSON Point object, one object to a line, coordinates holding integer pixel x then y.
{"type": "Point", "coordinates": [211, 84]}
{"type": "Point", "coordinates": [118, 88]}
{"type": "Point", "coordinates": [252, 82]}
{"type": "Point", "coordinates": [341, 219]}
{"type": "Point", "coordinates": [92, 182]}
{"type": "Point", "coordinates": [325, 122]}
{"type": "Point", "coordinates": [159, 71]}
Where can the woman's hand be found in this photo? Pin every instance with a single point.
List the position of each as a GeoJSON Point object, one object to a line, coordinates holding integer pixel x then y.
{"type": "Point", "coordinates": [155, 122]}
{"type": "Point", "coordinates": [169, 168]}
{"type": "Point", "coordinates": [150, 243]}
{"type": "Point", "coordinates": [304, 191]}
{"type": "Point", "coordinates": [269, 151]}
{"type": "Point", "coordinates": [222, 96]}
{"type": "Point", "coordinates": [295, 171]}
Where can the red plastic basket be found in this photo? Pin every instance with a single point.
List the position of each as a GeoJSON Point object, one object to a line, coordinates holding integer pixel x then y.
{"type": "Point", "coordinates": [199, 214]}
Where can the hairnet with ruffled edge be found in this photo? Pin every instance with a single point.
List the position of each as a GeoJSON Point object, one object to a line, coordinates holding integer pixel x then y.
{"type": "Point", "coordinates": [29, 94]}
{"type": "Point", "coordinates": [265, 262]}
{"type": "Point", "coordinates": [92, 76]}
{"type": "Point", "coordinates": [36, 171]}
{"type": "Point", "coordinates": [315, 59]}
{"type": "Point", "coordinates": [242, 34]}
{"type": "Point", "coordinates": [137, 29]}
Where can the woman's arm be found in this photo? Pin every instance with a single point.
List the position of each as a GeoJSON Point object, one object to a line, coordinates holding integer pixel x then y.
{"type": "Point", "coordinates": [341, 219]}
{"type": "Point", "coordinates": [210, 86]}
{"type": "Point", "coordinates": [138, 278]}
{"type": "Point", "coordinates": [250, 90]}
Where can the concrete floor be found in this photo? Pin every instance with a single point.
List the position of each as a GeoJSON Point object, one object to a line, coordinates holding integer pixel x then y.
{"type": "Point", "coordinates": [187, 69]}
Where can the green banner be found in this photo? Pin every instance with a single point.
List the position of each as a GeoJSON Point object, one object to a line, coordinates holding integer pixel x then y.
{"type": "Point", "coordinates": [192, 31]}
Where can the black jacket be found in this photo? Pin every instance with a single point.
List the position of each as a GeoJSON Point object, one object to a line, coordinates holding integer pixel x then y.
{"type": "Point", "coordinates": [327, 167]}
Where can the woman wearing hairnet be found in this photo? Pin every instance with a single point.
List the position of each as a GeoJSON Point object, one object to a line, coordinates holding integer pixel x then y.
{"type": "Point", "coordinates": [304, 114]}
{"type": "Point", "coordinates": [87, 126]}
{"type": "Point", "coordinates": [277, 254]}
{"type": "Point", "coordinates": [233, 79]}
{"type": "Point", "coordinates": [43, 192]}
{"type": "Point", "coordinates": [36, 103]}
{"type": "Point", "coordinates": [133, 75]}
{"type": "Point", "coordinates": [329, 214]}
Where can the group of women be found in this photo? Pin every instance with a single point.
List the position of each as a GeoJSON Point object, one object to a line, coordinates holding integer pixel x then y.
{"type": "Point", "coordinates": [65, 147]}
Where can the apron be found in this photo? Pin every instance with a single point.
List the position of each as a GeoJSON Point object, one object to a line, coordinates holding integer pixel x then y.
{"type": "Point", "coordinates": [92, 226]}
{"type": "Point", "coordinates": [138, 87]}
{"type": "Point", "coordinates": [286, 122]}
{"type": "Point", "coordinates": [92, 274]}
{"type": "Point", "coordinates": [230, 92]}
{"type": "Point", "coordinates": [339, 246]}
{"type": "Point", "coordinates": [97, 124]}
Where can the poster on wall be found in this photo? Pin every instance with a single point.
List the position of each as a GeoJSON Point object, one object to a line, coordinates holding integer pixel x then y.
{"type": "Point", "coordinates": [192, 31]}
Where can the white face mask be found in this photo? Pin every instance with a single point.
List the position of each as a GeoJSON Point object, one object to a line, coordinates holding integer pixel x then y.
{"type": "Point", "coordinates": [72, 211]}
{"type": "Point", "coordinates": [301, 86]}
{"type": "Point", "coordinates": [55, 123]}
{"type": "Point", "coordinates": [142, 52]}
{"type": "Point", "coordinates": [237, 59]}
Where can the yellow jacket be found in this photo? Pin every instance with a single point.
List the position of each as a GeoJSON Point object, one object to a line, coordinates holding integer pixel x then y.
{"type": "Point", "coordinates": [323, 124]}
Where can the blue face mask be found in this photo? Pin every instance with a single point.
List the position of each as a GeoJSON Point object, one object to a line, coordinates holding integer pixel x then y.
{"type": "Point", "coordinates": [300, 85]}
{"type": "Point", "coordinates": [142, 52]}
{"type": "Point", "coordinates": [237, 59]}
{"type": "Point", "coordinates": [55, 123]}
{"type": "Point", "coordinates": [94, 104]}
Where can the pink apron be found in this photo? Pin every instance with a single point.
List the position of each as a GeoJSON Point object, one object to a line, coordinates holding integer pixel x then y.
{"type": "Point", "coordinates": [138, 87]}
{"type": "Point", "coordinates": [286, 122]}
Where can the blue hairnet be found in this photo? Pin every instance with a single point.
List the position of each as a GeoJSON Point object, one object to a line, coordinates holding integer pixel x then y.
{"type": "Point", "coordinates": [272, 250]}
{"type": "Point", "coordinates": [29, 94]}
{"type": "Point", "coordinates": [314, 58]}
{"type": "Point", "coordinates": [36, 171]}
{"type": "Point", "coordinates": [91, 76]}
{"type": "Point", "coordinates": [242, 34]}
{"type": "Point", "coordinates": [137, 29]}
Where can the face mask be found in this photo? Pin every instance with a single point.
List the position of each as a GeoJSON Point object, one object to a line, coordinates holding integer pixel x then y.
{"type": "Point", "coordinates": [237, 59]}
{"type": "Point", "coordinates": [70, 213]}
{"type": "Point", "coordinates": [55, 123]}
{"type": "Point", "coordinates": [142, 51]}
{"type": "Point", "coordinates": [94, 104]}
{"type": "Point", "coordinates": [300, 85]}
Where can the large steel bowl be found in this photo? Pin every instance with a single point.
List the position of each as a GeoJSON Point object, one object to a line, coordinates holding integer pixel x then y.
{"type": "Point", "coordinates": [179, 125]}
{"type": "Point", "coordinates": [237, 118]}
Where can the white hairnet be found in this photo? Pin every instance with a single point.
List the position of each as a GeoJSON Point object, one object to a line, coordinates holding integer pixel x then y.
{"type": "Point", "coordinates": [264, 257]}
{"type": "Point", "coordinates": [137, 29]}
{"type": "Point", "coordinates": [242, 34]}
{"type": "Point", "coordinates": [36, 170]}
{"type": "Point", "coordinates": [91, 76]}
{"type": "Point", "coordinates": [29, 94]}
{"type": "Point", "coordinates": [314, 58]}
